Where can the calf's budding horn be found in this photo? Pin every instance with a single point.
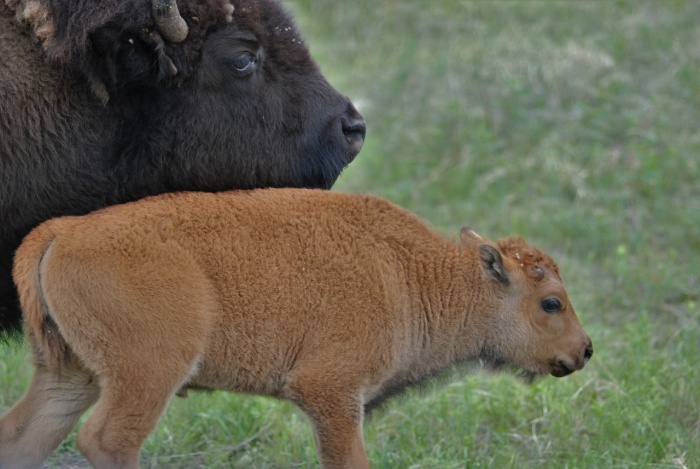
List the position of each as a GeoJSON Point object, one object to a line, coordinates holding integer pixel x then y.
{"type": "Point", "coordinates": [169, 23]}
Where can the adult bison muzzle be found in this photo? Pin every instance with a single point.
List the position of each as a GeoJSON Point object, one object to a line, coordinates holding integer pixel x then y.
{"type": "Point", "coordinates": [109, 101]}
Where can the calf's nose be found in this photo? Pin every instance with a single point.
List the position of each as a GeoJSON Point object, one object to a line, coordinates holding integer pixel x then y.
{"type": "Point", "coordinates": [588, 353]}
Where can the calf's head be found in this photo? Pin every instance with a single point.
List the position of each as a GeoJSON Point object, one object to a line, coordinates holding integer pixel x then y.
{"type": "Point", "coordinates": [533, 326]}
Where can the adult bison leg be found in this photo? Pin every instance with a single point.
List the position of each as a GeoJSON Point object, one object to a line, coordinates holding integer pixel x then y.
{"type": "Point", "coordinates": [49, 410]}
{"type": "Point", "coordinates": [335, 410]}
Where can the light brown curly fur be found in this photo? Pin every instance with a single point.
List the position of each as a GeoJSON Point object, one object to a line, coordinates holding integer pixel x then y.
{"type": "Point", "coordinates": [332, 301]}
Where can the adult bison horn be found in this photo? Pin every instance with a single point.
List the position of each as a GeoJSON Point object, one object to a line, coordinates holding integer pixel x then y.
{"type": "Point", "coordinates": [168, 20]}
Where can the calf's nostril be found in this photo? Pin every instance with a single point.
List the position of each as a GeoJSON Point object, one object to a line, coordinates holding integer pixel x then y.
{"type": "Point", "coordinates": [565, 366]}
{"type": "Point", "coordinates": [587, 354]}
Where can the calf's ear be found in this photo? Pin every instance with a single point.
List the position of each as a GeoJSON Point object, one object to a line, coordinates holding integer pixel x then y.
{"type": "Point", "coordinates": [469, 237]}
{"type": "Point", "coordinates": [492, 262]}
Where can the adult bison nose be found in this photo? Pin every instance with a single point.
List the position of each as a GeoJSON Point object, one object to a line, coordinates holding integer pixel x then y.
{"type": "Point", "coordinates": [354, 128]}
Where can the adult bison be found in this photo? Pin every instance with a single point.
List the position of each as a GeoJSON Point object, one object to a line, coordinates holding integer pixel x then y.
{"type": "Point", "coordinates": [107, 101]}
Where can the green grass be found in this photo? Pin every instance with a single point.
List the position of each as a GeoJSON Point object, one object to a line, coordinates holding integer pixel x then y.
{"type": "Point", "coordinates": [573, 124]}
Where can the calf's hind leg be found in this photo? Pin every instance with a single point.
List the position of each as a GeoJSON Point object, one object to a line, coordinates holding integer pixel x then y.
{"type": "Point", "coordinates": [130, 404]}
{"type": "Point", "coordinates": [49, 410]}
{"type": "Point", "coordinates": [139, 326]}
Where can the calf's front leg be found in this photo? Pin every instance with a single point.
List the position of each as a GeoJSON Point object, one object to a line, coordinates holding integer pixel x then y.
{"type": "Point", "coordinates": [339, 442]}
{"type": "Point", "coordinates": [336, 412]}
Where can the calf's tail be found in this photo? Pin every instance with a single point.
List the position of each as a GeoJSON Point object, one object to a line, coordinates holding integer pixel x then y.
{"type": "Point", "coordinates": [49, 345]}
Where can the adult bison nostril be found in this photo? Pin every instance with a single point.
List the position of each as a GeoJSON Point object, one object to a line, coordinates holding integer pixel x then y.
{"type": "Point", "coordinates": [354, 127]}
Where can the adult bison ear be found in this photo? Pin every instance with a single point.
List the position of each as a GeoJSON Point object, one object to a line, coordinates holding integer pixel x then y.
{"type": "Point", "coordinates": [492, 262]}
{"type": "Point", "coordinates": [125, 60]}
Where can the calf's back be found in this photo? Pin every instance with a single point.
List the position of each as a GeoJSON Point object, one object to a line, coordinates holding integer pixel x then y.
{"type": "Point", "coordinates": [270, 277]}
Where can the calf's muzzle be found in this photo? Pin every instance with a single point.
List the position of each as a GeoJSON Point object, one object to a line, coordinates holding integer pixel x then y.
{"type": "Point", "coordinates": [565, 366]}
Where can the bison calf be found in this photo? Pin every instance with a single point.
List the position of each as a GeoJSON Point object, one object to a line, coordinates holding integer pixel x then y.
{"type": "Point", "coordinates": [332, 301]}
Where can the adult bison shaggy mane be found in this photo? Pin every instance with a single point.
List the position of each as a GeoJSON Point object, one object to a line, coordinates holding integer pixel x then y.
{"type": "Point", "coordinates": [108, 101]}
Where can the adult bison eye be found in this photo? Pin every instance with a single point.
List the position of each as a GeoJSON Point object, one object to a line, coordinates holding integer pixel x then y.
{"type": "Point", "coordinates": [244, 63]}
{"type": "Point", "coordinates": [551, 305]}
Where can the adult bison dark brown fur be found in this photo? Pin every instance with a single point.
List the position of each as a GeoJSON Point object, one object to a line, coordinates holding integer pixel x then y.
{"type": "Point", "coordinates": [101, 105]}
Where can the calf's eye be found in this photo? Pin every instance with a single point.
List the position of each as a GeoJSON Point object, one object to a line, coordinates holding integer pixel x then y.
{"type": "Point", "coordinates": [551, 305]}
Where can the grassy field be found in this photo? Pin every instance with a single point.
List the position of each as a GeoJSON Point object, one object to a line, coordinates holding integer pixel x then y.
{"type": "Point", "coordinates": [573, 124]}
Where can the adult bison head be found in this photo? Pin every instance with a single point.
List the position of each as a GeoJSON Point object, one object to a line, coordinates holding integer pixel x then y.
{"type": "Point", "coordinates": [107, 101]}
{"type": "Point", "coordinates": [245, 87]}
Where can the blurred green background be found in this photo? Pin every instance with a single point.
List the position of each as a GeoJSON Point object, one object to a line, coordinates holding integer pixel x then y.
{"type": "Point", "coordinates": [575, 124]}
